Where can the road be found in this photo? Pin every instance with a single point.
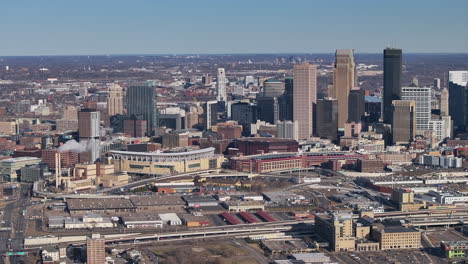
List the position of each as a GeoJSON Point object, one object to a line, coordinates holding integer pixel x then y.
{"type": "Point", "coordinates": [13, 216]}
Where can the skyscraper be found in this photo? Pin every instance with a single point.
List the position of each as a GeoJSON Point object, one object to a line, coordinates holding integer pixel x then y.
{"type": "Point", "coordinates": [437, 83]}
{"type": "Point", "coordinates": [356, 105]}
{"type": "Point", "coordinates": [444, 102]}
{"type": "Point", "coordinates": [286, 103]}
{"type": "Point", "coordinates": [95, 249]}
{"type": "Point", "coordinates": [273, 88]}
{"type": "Point", "coordinates": [210, 114]}
{"type": "Point", "coordinates": [141, 101]}
{"type": "Point", "coordinates": [344, 78]}
{"type": "Point", "coordinates": [268, 109]}
{"type": "Point", "coordinates": [327, 118]}
{"type": "Point", "coordinates": [115, 100]}
{"type": "Point", "coordinates": [404, 121]}
{"type": "Point", "coordinates": [221, 85]}
{"type": "Point", "coordinates": [458, 106]}
{"type": "Point", "coordinates": [392, 81]}
{"type": "Point", "coordinates": [304, 98]}
{"type": "Point", "coordinates": [459, 77]}
{"type": "Point", "coordinates": [422, 97]}
{"type": "Point", "coordinates": [89, 133]}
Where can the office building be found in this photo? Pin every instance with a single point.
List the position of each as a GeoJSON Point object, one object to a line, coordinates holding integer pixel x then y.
{"type": "Point", "coordinates": [273, 88]}
{"type": "Point", "coordinates": [437, 83]}
{"type": "Point", "coordinates": [10, 168]}
{"type": "Point", "coordinates": [285, 101]}
{"type": "Point", "coordinates": [458, 106]}
{"type": "Point", "coordinates": [210, 114]}
{"type": "Point", "coordinates": [207, 80]}
{"type": "Point", "coordinates": [422, 97]}
{"type": "Point", "coordinates": [327, 118]}
{"type": "Point", "coordinates": [141, 101]}
{"type": "Point", "coordinates": [287, 129]}
{"type": "Point", "coordinates": [172, 117]}
{"type": "Point", "coordinates": [392, 81]}
{"type": "Point", "coordinates": [304, 98]}
{"type": "Point", "coordinates": [89, 133]}
{"type": "Point", "coordinates": [70, 112]}
{"type": "Point", "coordinates": [459, 77]}
{"type": "Point", "coordinates": [337, 229]}
{"type": "Point", "coordinates": [268, 109]}
{"type": "Point", "coordinates": [135, 127]}
{"type": "Point", "coordinates": [221, 85]}
{"type": "Point", "coordinates": [175, 140]}
{"type": "Point", "coordinates": [444, 102]}
{"type": "Point", "coordinates": [455, 249]}
{"type": "Point", "coordinates": [95, 249]}
{"type": "Point", "coordinates": [115, 100]}
{"type": "Point", "coordinates": [404, 124]}
{"type": "Point", "coordinates": [8, 128]}
{"type": "Point", "coordinates": [344, 78]}
{"type": "Point", "coordinates": [402, 196]}
{"type": "Point", "coordinates": [245, 114]}
{"type": "Point", "coordinates": [396, 237]}
{"type": "Point", "coordinates": [356, 105]}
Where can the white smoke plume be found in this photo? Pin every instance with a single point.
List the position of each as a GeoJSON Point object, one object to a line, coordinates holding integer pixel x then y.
{"type": "Point", "coordinates": [72, 145]}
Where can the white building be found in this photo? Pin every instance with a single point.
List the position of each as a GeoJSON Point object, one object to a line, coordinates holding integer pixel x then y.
{"type": "Point", "coordinates": [221, 85]}
{"type": "Point", "coordinates": [170, 218]}
{"type": "Point", "coordinates": [449, 198]}
{"type": "Point", "coordinates": [441, 127]}
{"type": "Point", "coordinates": [459, 77]}
{"type": "Point", "coordinates": [422, 96]}
{"type": "Point", "coordinates": [288, 129]}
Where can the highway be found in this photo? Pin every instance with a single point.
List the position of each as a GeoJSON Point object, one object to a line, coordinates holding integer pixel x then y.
{"type": "Point", "coordinates": [12, 241]}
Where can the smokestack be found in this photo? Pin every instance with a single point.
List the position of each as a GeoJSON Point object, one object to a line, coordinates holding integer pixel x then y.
{"type": "Point", "coordinates": [58, 169]}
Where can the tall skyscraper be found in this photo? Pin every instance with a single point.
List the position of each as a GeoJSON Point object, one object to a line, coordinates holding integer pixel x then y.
{"type": "Point", "coordinates": [89, 133]}
{"type": "Point", "coordinates": [459, 77]}
{"type": "Point", "coordinates": [95, 249]}
{"type": "Point", "coordinates": [356, 105]}
{"type": "Point", "coordinates": [70, 112]}
{"type": "Point", "coordinates": [304, 98]}
{"type": "Point", "coordinates": [344, 78]}
{"type": "Point", "coordinates": [444, 102]}
{"type": "Point", "coordinates": [268, 109]}
{"type": "Point", "coordinates": [115, 100]}
{"type": "Point", "coordinates": [437, 83]}
{"type": "Point", "coordinates": [273, 88]}
{"type": "Point", "coordinates": [404, 121]}
{"type": "Point", "coordinates": [141, 101]}
{"type": "Point", "coordinates": [392, 81]}
{"type": "Point", "coordinates": [422, 97]}
{"type": "Point", "coordinates": [221, 85]}
{"type": "Point", "coordinates": [458, 106]}
{"type": "Point", "coordinates": [286, 103]}
{"type": "Point", "coordinates": [210, 114]}
{"type": "Point", "coordinates": [327, 118]}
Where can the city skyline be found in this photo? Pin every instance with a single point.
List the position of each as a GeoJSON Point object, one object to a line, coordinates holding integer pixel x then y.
{"type": "Point", "coordinates": [57, 28]}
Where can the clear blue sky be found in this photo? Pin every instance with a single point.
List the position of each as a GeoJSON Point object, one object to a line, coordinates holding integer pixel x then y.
{"type": "Point", "coordinates": [63, 27]}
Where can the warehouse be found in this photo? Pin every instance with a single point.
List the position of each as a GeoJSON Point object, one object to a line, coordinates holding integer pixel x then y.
{"type": "Point", "coordinates": [112, 205]}
{"type": "Point", "coordinates": [142, 221]}
{"type": "Point", "coordinates": [199, 201]}
{"type": "Point", "coordinates": [241, 206]}
{"type": "Point", "coordinates": [170, 219]}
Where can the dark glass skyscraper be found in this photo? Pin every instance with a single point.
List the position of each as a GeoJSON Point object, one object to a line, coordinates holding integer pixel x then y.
{"type": "Point", "coordinates": [392, 81]}
{"type": "Point", "coordinates": [286, 101]}
{"type": "Point", "coordinates": [327, 119]}
{"type": "Point", "coordinates": [141, 101]}
{"type": "Point", "coordinates": [458, 107]}
{"type": "Point", "coordinates": [356, 105]}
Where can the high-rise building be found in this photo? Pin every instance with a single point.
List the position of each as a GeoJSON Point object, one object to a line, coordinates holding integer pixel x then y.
{"type": "Point", "coordinates": [437, 83]}
{"type": "Point", "coordinates": [115, 100]}
{"type": "Point", "coordinates": [458, 106]}
{"type": "Point", "coordinates": [221, 85]}
{"type": "Point", "coordinates": [327, 118]}
{"type": "Point", "coordinates": [89, 133]}
{"type": "Point", "coordinates": [245, 114]}
{"type": "Point", "coordinates": [304, 98]}
{"type": "Point", "coordinates": [287, 129]}
{"type": "Point", "coordinates": [210, 114]}
{"type": "Point", "coordinates": [344, 78]}
{"type": "Point", "coordinates": [337, 229]}
{"type": "Point", "coordinates": [422, 97]}
{"type": "Point", "coordinates": [273, 88]}
{"type": "Point", "coordinates": [356, 105]}
{"type": "Point", "coordinates": [207, 79]}
{"type": "Point", "coordinates": [444, 102]}
{"type": "Point", "coordinates": [268, 109]}
{"type": "Point", "coordinates": [134, 127]}
{"type": "Point", "coordinates": [70, 112]}
{"type": "Point", "coordinates": [459, 77]}
{"type": "Point", "coordinates": [392, 81]}
{"type": "Point", "coordinates": [95, 249]}
{"type": "Point", "coordinates": [286, 104]}
{"type": "Point", "coordinates": [141, 101]}
{"type": "Point", "coordinates": [404, 121]}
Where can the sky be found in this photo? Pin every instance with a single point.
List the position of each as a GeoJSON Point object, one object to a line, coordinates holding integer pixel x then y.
{"type": "Point", "coordinates": [102, 27]}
